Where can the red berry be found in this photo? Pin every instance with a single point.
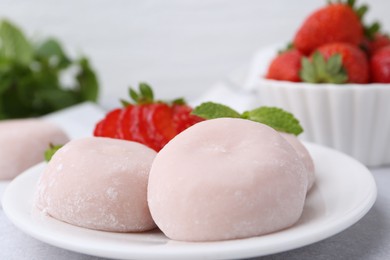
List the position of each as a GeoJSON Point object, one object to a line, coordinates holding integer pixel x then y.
{"type": "Point", "coordinates": [108, 126]}
{"type": "Point", "coordinates": [379, 41]}
{"type": "Point", "coordinates": [286, 66]}
{"type": "Point", "coordinates": [159, 125]}
{"type": "Point", "coordinates": [380, 65]}
{"type": "Point", "coordinates": [354, 60]}
{"type": "Point", "coordinates": [334, 23]}
{"type": "Point", "coordinates": [148, 122]}
{"type": "Point", "coordinates": [182, 117]}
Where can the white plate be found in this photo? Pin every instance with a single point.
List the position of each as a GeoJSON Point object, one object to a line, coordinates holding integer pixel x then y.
{"type": "Point", "coordinates": [3, 185]}
{"type": "Point", "coordinates": [344, 192]}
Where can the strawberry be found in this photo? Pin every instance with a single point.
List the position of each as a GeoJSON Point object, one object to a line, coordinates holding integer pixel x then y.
{"type": "Point", "coordinates": [380, 65]}
{"type": "Point", "coordinates": [153, 123]}
{"type": "Point", "coordinates": [336, 63]}
{"type": "Point", "coordinates": [182, 117]}
{"type": "Point", "coordinates": [380, 40]}
{"type": "Point", "coordinates": [337, 22]}
{"type": "Point", "coordinates": [108, 126]}
{"type": "Point", "coordinates": [286, 66]}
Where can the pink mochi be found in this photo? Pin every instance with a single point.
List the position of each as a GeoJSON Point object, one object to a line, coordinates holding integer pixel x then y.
{"type": "Point", "coordinates": [23, 143]}
{"type": "Point", "coordinates": [226, 179]}
{"type": "Point", "coordinates": [98, 183]}
{"type": "Point", "coordinates": [305, 157]}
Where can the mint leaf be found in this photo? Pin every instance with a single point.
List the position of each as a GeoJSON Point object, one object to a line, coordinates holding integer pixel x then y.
{"type": "Point", "coordinates": [88, 83]}
{"type": "Point", "coordinates": [276, 118]}
{"type": "Point", "coordinates": [211, 110]}
{"type": "Point", "coordinates": [51, 151]}
{"type": "Point", "coordinates": [13, 44]}
{"type": "Point", "coordinates": [51, 49]}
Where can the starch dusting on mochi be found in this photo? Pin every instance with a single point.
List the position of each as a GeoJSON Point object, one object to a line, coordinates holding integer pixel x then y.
{"type": "Point", "coordinates": [98, 183]}
{"type": "Point", "coordinates": [23, 143]}
{"type": "Point", "coordinates": [305, 157]}
{"type": "Point", "coordinates": [226, 179]}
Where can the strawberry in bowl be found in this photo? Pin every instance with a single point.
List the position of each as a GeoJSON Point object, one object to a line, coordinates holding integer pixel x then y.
{"type": "Point", "coordinates": [340, 90]}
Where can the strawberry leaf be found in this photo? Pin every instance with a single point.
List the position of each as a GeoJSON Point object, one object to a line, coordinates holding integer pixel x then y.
{"type": "Point", "coordinates": [146, 91]}
{"type": "Point", "coordinates": [51, 151]}
{"type": "Point", "coordinates": [133, 94]}
{"type": "Point", "coordinates": [179, 101]}
{"type": "Point", "coordinates": [319, 70]}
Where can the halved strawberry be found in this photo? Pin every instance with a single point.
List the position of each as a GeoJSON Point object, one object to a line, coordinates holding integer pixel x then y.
{"type": "Point", "coordinates": [160, 126]}
{"type": "Point", "coordinates": [153, 123]}
{"type": "Point", "coordinates": [108, 126]}
{"type": "Point", "coordinates": [182, 117]}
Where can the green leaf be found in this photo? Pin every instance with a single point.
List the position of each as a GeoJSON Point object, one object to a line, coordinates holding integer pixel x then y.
{"type": "Point", "coordinates": [30, 82]}
{"type": "Point", "coordinates": [288, 47]}
{"type": "Point", "coordinates": [88, 83]}
{"type": "Point", "coordinates": [210, 110]}
{"type": "Point", "coordinates": [51, 49]}
{"type": "Point", "coordinates": [125, 103]}
{"type": "Point", "coordinates": [146, 92]}
{"type": "Point", "coordinates": [361, 11]}
{"type": "Point", "coordinates": [51, 151]}
{"type": "Point", "coordinates": [276, 118]}
{"type": "Point", "coordinates": [13, 44]}
{"type": "Point", "coordinates": [371, 30]}
{"type": "Point", "coordinates": [133, 94]}
{"type": "Point", "coordinates": [319, 70]}
{"type": "Point", "coordinates": [179, 101]}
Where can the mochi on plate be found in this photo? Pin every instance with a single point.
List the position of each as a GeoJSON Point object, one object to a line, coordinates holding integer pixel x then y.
{"type": "Point", "coordinates": [23, 143]}
{"type": "Point", "coordinates": [98, 183]}
{"type": "Point", "coordinates": [226, 178]}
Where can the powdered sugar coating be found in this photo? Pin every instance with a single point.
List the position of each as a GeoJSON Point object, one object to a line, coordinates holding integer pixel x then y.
{"type": "Point", "coordinates": [305, 157]}
{"type": "Point", "coordinates": [225, 179]}
{"type": "Point", "coordinates": [98, 183]}
{"type": "Point", "coordinates": [23, 143]}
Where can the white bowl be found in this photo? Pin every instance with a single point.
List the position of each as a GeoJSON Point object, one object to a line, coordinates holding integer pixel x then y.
{"type": "Point", "coordinates": [352, 118]}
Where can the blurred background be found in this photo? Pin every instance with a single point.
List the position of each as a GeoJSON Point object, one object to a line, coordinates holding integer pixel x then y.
{"type": "Point", "coordinates": [180, 47]}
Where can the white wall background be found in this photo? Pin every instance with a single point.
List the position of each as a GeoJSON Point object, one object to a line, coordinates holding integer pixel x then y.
{"type": "Point", "coordinates": [180, 47]}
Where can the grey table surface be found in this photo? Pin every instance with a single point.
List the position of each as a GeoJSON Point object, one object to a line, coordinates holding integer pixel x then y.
{"type": "Point", "coordinates": [368, 239]}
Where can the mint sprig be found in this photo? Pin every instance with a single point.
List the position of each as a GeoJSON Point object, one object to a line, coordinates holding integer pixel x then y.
{"type": "Point", "coordinates": [274, 117]}
{"type": "Point", "coordinates": [51, 151]}
{"type": "Point", "coordinates": [31, 75]}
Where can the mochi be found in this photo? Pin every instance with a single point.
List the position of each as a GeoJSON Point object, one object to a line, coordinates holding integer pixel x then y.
{"type": "Point", "coordinates": [23, 143]}
{"type": "Point", "coordinates": [226, 179]}
{"type": "Point", "coordinates": [305, 157]}
{"type": "Point", "coordinates": [98, 183]}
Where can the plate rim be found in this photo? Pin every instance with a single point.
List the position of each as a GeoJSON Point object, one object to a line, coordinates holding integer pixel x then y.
{"type": "Point", "coordinates": [251, 251]}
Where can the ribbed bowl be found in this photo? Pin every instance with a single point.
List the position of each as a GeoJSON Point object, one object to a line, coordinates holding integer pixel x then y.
{"type": "Point", "coordinates": [352, 118]}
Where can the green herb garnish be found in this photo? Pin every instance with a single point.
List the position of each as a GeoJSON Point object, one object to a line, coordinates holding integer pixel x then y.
{"type": "Point", "coordinates": [276, 118]}
{"type": "Point", "coordinates": [30, 76]}
{"type": "Point", "coordinates": [51, 151]}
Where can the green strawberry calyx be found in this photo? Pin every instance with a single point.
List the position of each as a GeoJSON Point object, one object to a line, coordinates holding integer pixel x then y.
{"type": "Point", "coordinates": [51, 151]}
{"type": "Point", "coordinates": [277, 118]}
{"type": "Point", "coordinates": [145, 95]}
{"type": "Point", "coordinates": [319, 70]}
